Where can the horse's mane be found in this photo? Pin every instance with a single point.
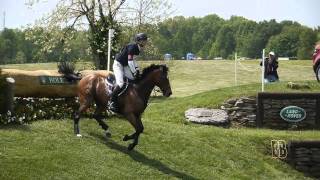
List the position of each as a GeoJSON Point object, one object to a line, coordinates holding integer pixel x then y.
{"type": "Point", "coordinates": [153, 67]}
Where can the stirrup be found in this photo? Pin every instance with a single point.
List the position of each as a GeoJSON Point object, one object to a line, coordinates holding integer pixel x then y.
{"type": "Point", "coordinates": [112, 106]}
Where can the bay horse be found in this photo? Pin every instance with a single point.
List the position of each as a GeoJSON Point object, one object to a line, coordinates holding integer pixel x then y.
{"type": "Point", "coordinates": [132, 102]}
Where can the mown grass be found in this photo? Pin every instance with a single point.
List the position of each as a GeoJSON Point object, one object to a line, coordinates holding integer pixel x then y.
{"type": "Point", "coordinates": [169, 148]}
{"type": "Point", "coordinates": [191, 77]}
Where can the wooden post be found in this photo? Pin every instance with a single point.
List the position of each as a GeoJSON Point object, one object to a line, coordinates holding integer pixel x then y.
{"type": "Point", "coordinates": [10, 93]}
{"type": "Point", "coordinates": [7, 89]}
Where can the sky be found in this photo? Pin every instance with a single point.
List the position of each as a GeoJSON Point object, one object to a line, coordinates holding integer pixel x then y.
{"type": "Point", "coordinates": [306, 12]}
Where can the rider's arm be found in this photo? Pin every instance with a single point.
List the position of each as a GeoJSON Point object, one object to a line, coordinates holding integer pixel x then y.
{"type": "Point", "coordinates": [132, 64]}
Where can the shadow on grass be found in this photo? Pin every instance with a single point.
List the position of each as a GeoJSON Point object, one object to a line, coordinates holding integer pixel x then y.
{"type": "Point", "coordinates": [139, 157]}
{"type": "Point", "coordinates": [20, 127]}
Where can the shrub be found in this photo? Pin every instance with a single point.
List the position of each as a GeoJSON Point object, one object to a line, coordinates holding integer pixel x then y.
{"type": "Point", "coordinates": [31, 109]}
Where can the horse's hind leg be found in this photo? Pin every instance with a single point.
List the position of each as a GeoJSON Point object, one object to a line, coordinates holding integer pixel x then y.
{"type": "Point", "coordinates": [84, 104]}
{"type": "Point", "coordinates": [76, 119]}
{"type": "Point", "coordinates": [98, 116]}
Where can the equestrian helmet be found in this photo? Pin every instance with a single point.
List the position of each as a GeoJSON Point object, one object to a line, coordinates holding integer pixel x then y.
{"type": "Point", "coordinates": [141, 37]}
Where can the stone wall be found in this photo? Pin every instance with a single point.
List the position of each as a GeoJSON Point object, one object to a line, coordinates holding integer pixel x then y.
{"type": "Point", "coordinates": [264, 110]}
{"type": "Point", "coordinates": [272, 108]}
{"type": "Point", "coordinates": [305, 156]}
{"type": "Point", "coordinates": [269, 106]}
{"type": "Point", "coordinates": [241, 111]}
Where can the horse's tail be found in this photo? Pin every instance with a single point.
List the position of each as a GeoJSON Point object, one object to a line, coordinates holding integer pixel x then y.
{"type": "Point", "coordinates": [68, 70]}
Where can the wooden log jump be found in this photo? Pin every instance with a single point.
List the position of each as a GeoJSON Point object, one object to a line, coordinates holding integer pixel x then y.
{"type": "Point", "coordinates": [44, 83]}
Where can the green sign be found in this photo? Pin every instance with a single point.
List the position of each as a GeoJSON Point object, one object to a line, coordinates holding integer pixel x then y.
{"type": "Point", "coordinates": [53, 80]}
{"type": "Point", "coordinates": [293, 114]}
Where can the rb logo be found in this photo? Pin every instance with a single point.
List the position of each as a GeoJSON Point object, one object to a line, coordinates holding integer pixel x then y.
{"type": "Point", "coordinates": [279, 149]}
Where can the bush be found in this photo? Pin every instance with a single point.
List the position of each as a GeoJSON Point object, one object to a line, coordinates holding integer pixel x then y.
{"type": "Point", "coordinates": [31, 109]}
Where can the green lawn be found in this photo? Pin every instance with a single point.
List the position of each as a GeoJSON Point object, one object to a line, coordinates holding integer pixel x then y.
{"type": "Point", "coordinates": [169, 148]}
{"type": "Point", "coordinates": [191, 77]}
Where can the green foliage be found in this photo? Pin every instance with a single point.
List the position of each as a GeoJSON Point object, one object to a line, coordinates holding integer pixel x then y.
{"type": "Point", "coordinates": [243, 36]}
{"type": "Point", "coordinates": [224, 44]}
{"type": "Point", "coordinates": [206, 33]}
{"type": "Point", "coordinates": [9, 43]}
{"type": "Point", "coordinates": [293, 41]}
{"type": "Point", "coordinates": [31, 109]}
{"type": "Point", "coordinates": [286, 43]}
{"type": "Point", "coordinates": [207, 37]}
{"type": "Point", "coordinates": [20, 58]}
{"type": "Point", "coordinates": [305, 47]}
{"type": "Point", "coordinates": [98, 40]}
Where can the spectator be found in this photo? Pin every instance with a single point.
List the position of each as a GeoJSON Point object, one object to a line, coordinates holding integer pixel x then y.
{"type": "Point", "coordinates": [270, 68]}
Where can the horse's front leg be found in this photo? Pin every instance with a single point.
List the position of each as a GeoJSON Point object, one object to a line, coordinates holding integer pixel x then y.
{"type": "Point", "coordinates": [98, 116]}
{"type": "Point", "coordinates": [137, 124]}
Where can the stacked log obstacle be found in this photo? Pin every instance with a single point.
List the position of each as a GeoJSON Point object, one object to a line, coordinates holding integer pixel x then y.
{"type": "Point", "coordinates": [44, 83]}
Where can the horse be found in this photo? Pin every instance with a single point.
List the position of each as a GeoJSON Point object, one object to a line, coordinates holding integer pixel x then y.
{"type": "Point", "coordinates": [132, 102]}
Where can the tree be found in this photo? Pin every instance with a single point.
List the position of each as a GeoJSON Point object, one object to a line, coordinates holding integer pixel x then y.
{"type": "Point", "coordinates": [2, 50]}
{"type": "Point", "coordinates": [99, 16]}
{"type": "Point", "coordinates": [9, 45]}
{"type": "Point", "coordinates": [20, 58]}
{"type": "Point", "coordinates": [224, 44]}
{"type": "Point", "coordinates": [243, 30]}
{"type": "Point", "coordinates": [307, 39]}
{"type": "Point", "coordinates": [286, 43]}
{"type": "Point", "coordinates": [252, 45]}
{"type": "Point", "coordinates": [205, 34]}
{"type": "Point", "coordinates": [144, 12]}
{"type": "Point", "coordinates": [318, 33]}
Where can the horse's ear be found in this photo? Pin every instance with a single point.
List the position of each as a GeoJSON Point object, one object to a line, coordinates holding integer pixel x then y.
{"type": "Point", "coordinates": [162, 66]}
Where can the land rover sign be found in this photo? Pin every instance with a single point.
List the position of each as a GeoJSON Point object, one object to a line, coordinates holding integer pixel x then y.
{"type": "Point", "coordinates": [293, 114]}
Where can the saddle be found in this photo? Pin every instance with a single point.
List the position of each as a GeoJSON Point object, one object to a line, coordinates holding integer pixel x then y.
{"type": "Point", "coordinates": [111, 82]}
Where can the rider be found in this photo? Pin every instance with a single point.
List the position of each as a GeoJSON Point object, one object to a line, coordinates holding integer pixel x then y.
{"type": "Point", "coordinates": [125, 65]}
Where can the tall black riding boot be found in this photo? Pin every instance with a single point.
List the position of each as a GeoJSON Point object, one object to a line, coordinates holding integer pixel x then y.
{"type": "Point", "coordinates": [113, 106]}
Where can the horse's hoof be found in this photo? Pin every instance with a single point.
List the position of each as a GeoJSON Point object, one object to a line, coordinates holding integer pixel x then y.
{"type": "Point", "coordinates": [131, 146]}
{"type": "Point", "coordinates": [126, 138]}
{"type": "Point", "coordinates": [79, 135]}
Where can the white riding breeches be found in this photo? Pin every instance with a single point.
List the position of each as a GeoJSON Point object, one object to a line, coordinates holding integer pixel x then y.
{"type": "Point", "coordinates": [120, 72]}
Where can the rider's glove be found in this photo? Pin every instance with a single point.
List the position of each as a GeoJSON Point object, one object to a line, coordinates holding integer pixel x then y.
{"type": "Point", "coordinates": [137, 74]}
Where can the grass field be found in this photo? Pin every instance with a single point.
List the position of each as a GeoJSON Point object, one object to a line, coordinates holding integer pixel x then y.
{"type": "Point", "coordinates": [192, 77]}
{"type": "Point", "coordinates": [169, 148]}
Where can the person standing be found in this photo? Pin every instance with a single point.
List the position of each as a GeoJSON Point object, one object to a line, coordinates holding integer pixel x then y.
{"type": "Point", "coordinates": [270, 68]}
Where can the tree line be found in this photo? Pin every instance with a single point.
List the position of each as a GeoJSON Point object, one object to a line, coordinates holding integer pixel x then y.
{"type": "Point", "coordinates": [211, 36]}
{"type": "Point", "coordinates": [16, 47]}
{"type": "Point", "coordinates": [207, 37]}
